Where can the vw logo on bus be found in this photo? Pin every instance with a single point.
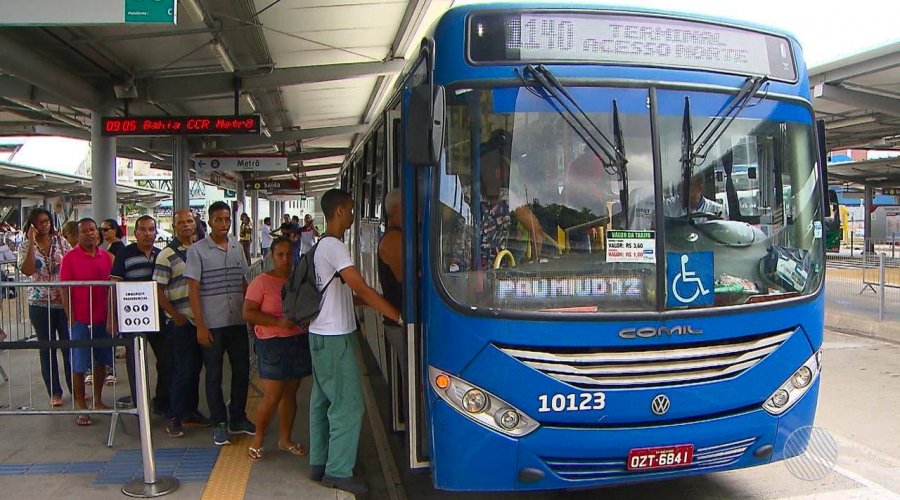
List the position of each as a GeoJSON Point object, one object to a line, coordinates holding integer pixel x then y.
{"type": "Point", "coordinates": [660, 404]}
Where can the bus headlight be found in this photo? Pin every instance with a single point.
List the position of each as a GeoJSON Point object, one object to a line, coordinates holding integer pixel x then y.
{"type": "Point", "coordinates": [475, 401]}
{"type": "Point", "coordinates": [480, 405]}
{"type": "Point", "coordinates": [780, 398]}
{"type": "Point", "coordinates": [795, 386]}
{"type": "Point", "coordinates": [507, 418]}
{"type": "Point", "coordinates": [802, 377]}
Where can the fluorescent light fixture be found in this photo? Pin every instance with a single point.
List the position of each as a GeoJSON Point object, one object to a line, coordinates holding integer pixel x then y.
{"type": "Point", "coordinates": [221, 54]}
{"type": "Point", "coordinates": [249, 99]}
{"type": "Point", "coordinates": [193, 9]}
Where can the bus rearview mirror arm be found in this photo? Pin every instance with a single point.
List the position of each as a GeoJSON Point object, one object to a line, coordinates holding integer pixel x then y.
{"type": "Point", "coordinates": [823, 165]}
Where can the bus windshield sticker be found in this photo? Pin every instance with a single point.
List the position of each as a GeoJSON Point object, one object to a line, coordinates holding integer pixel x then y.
{"type": "Point", "coordinates": [590, 288]}
{"type": "Point", "coordinates": [631, 246]}
{"type": "Point", "coordinates": [690, 279]}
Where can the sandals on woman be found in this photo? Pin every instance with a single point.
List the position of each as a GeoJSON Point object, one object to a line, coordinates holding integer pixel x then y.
{"type": "Point", "coordinates": [293, 448]}
{"type": "Point", "coordinates": [255, 454]}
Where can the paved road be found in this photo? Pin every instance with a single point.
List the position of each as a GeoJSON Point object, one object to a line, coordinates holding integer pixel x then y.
{"type": "Point", "coordinates": [859, 405]}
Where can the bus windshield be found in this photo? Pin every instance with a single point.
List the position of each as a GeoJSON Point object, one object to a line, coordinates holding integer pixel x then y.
{"type": "Point", "coordinates": [532, 220]}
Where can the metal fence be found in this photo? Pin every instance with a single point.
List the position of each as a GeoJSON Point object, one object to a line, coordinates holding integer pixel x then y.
{"type": "Point", "coordinates": [865, 283]}
{"type": "Point", "coordinates": [30, 335]}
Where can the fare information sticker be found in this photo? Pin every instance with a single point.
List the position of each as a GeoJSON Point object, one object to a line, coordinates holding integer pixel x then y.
{"type": "Point", "coordinates": [137, 306]}
{"type": "Point", "coordinates": [631, 246]}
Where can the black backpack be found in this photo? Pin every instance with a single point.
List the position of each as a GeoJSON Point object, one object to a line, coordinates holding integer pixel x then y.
{"type": "Point", "coordinates": [300, 298]}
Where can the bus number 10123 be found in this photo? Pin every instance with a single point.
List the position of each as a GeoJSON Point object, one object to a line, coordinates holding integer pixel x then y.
{"type": "Point", "coordinates": [584, 401]}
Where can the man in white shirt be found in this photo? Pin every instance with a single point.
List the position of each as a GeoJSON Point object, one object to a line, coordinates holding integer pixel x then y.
{"type": "Point", "coordinates": [336, 403]}
{"type": "Point", "coordinates": [265, 236]}
{"type": "Point", "coordinates": [699, 204]}
{"type": "Point", "coordinates": [644, 211]}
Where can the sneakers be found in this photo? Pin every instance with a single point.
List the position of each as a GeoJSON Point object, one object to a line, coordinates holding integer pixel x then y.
{"type": "Point", "coordinates": [124, 402]}
{"type": "Point", "coordinates": [89, 379]}
{"type": "Point", "coordinates": [316, 472]}
{"type": "Point", "coordinates": [196, 420]}
{"type": "Point", "coordinates": [349, 484]}
{"type": "Point", "coordinates": [220, 435]}
{"type": "Point", "coordinates": [243, 427]}
{"type": "Point", "coordinates": [174, 428]}
{"type": "Point", "coordinates": [111, 379]}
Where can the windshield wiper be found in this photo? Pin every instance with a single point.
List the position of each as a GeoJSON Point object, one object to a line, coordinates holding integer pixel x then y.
{"type": "Point", "coordinates": [611, 153]}
{"type": "Point", "coordinates": [693, 151]}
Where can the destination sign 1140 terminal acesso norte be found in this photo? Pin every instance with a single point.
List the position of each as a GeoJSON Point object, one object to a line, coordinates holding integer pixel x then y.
{"type": "Point", "coordinates": [114, 126]}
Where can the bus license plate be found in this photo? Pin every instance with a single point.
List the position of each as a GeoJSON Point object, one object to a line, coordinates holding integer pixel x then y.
{"type": "Point", "coordinates": [660, 457]}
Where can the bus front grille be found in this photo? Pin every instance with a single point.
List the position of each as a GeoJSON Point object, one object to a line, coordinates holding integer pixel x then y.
{"type": "Point", "coordinates": [666, 366]}
{"type": "Point", "coordinates": [721, 455]}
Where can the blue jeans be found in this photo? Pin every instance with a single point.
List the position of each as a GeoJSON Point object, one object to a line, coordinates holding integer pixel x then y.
{"type": "Point", "coordinates": [233, 340]}
{"type": "Point", "coordinates": [84, 358]}
{"type": "Point", "coordinates": [187, 361]}
{"type": "Point", "coordinates": [51, 324]}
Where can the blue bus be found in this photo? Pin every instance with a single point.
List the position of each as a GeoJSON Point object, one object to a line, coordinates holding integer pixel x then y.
{"type": "Point", "coordinates": [581, 310]}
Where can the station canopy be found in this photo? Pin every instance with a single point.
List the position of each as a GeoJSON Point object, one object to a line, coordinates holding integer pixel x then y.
{"type": "Point", "coordinates": [317, 71]}
{"type": "Point", "coordinates": [19, 181]}
{"type": "Point", "coordinates": [859, 99]}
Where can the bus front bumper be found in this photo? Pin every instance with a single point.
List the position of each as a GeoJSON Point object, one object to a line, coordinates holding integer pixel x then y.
{"type": "Point", "coordinates": [469, 457]}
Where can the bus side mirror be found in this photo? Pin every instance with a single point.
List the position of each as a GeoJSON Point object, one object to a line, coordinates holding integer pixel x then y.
{"type": "Point", "coordinates": [424, 137]}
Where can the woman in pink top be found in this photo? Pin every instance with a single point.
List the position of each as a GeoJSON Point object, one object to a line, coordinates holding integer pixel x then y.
{"type": "Point", "coordinates": [282, 351]}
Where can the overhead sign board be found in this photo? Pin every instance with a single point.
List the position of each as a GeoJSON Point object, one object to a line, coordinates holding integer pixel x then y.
{"type": "Point", "coordinates": [150, 11]}
{"type": "Point", "coordinates": [115, 126]}
{"type": "Point", "coordinates": [68, 12]}
{"type": "Point", "coordinates": [241, 163]}
{"type": "Point", "coordinates": [271, 185]}
{"type": "Point", "coordinates": [890, 191]}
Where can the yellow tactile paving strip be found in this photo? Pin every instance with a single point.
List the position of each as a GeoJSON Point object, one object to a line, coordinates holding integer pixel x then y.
{"type": "Point", "coordinates": [231, 473]}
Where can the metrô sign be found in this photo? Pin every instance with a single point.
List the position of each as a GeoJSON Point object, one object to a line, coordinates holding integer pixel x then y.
{"type": "Point", "coordinates": [241, 163]}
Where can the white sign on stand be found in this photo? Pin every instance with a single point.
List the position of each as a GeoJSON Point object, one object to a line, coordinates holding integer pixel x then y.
{"type": "Point", "coordinates": [137, 306]}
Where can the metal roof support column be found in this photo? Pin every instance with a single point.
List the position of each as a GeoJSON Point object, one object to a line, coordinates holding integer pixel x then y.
{"type": "Point", "coordinates": [274, 215]}
{"type": "Point", "coordinates": [103, 168]}
{"type": "Point", "coordinates": [242, 204]}
{"type": "Point", "coordinates": [867, 220]}
{"type": "Point", "coordinates": [181, 175]}
{"type": "Point", "coordinates": [255, 221]}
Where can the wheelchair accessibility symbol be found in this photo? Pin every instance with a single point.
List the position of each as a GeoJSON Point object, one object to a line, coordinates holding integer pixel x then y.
{"type": "Point", "coordinates": [690, 279]}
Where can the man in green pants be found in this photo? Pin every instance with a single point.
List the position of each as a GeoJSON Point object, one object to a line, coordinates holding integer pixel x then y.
{"type": "Point", "coordinates": [336, 403]}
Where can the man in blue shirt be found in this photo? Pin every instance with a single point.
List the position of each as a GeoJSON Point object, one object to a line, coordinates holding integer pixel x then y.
{"type": "Point", "coordinates": [217, 280]}
{"type": "Point", "coordinates": [136, 263]}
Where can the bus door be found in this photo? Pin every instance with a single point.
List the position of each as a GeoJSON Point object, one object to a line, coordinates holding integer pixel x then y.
{"type": "Point", "coordinates": [412, 182]}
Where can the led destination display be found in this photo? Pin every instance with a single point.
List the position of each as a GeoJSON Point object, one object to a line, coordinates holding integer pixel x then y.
{"type": "Point", "coordinates": [633, 40]}
{"type": "Point", "coordinates": [180, 125]}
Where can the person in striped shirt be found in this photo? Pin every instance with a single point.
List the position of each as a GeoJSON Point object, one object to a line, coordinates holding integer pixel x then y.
{"type": "Point", "coordinates": [187, 358]}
